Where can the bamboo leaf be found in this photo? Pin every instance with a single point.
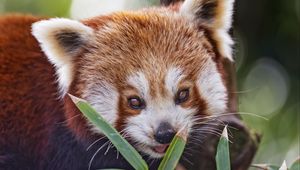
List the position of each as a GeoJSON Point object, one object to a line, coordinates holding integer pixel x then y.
{"type": "Point", "coordinates": [283, 166]}
{"type": "Point", "coordinates": [265, 166]}
{"type": "Point", "coordinates": [174, 151]}
{"type": "Point", "coordinates": [222, 156]}
{"type": "Point", "coordinates": [128, 152]}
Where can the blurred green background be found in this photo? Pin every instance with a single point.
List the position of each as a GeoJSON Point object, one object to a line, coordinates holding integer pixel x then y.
{"type": "Point", "coordinates": [267, 35]}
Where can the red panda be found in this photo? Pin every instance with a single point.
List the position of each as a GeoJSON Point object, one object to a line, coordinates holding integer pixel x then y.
{"type": "Point", "coordinates": [149, 73]}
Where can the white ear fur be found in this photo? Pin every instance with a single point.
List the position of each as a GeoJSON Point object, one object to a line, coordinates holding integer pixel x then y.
{"type": "Point", "coordinates": [215, 14]}
{"type": "Point", "coordinates": [61, 40]}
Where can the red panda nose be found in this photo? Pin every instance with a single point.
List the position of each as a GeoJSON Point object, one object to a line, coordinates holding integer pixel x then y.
{"type": "Point", "coordinates": [164, 133]}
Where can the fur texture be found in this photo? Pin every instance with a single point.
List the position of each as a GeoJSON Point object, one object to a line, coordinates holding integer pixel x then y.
{"type": "Point", "coordinates": [152, 54]}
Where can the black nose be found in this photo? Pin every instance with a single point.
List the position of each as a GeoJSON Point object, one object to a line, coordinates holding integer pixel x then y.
{"type": "Point", "coordinates": [164, 133]}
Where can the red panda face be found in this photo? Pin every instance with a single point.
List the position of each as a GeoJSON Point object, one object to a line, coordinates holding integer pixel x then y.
{"type": "Point", "coordinates": [149, 73]}
{"type": "Point", "coordinates": [152, 70]}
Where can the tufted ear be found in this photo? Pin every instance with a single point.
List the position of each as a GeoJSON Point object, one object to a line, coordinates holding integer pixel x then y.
{"type": "Point", "coordinates": [215, 15]}
{"type": "Point", "coordinates": [62, 40]}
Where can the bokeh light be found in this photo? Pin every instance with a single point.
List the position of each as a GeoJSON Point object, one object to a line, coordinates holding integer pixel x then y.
{"type": "Point", "coordinates": [266, 86]}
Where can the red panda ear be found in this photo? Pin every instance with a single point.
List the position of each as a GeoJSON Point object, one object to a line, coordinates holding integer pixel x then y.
{"type": "Point", "coordinates": [215, 15]}
{"type": "Point", "coordinates": [61, 40]}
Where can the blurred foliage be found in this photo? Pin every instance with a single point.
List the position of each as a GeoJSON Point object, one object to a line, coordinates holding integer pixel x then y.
{"type": "Point", "coordinates": [268, 31]}
{"type": "Point", "coordinates": [54, 8]}
{"type": "Point", "coordinates": [267, 58]}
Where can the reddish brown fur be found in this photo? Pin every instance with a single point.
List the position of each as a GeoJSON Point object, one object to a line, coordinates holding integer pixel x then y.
{"type": "Point", "coordinates": [133, 41]}
{"type": "Point", "coordinates": [133, 35]}
{"type": "Point", "coordinates": [31, 111]}
{"type": "Point", "coordinates": [28, 91]}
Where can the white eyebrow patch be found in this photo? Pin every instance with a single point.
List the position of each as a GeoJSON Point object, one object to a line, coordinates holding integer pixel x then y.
{"type": "Point", "coordinates": [104, 97]}
{"type": "Point", "coordinates": [212, 89]}
{"type": "Point", "coordinates": [172, 79]}
{"type": "Point", "coordinates": [140, 82]}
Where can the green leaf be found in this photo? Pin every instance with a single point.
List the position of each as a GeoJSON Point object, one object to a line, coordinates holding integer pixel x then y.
{"type": "Point", "coordinates": [174, 151]}
{"type": "Point", "coordinates": [128, 152]}
{"type": "Point", "coordinates": [265, 166]}
{"type": "Point", "coordinates": [283, 166]}
{"type": "Point", "coordinates": [222, 156]}
{"type": "Point", "coordinates": [272, 167]}
{"type": "Point", "coordinates": [295, 165]}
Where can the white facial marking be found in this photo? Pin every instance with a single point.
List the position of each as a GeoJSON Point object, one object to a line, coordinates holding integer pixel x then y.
{"type": "Point", "coordinates": [172, 79]}
{"type": "Point", "coordinates": [140, 82]}
{"type": "Point", "coordinates": [143, 126]}
{"type": "Point", "coordinates": [158, 110]}
{"type": "Point", "coordinates": [212, 89]}
{"type": "Point", "coordinates": [104, 98]}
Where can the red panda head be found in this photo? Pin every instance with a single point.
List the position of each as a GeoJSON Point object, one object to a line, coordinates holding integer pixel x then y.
{"type": "Point", "coordinates": [149, 73]}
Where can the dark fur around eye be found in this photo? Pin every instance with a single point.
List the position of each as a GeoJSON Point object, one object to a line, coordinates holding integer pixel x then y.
{"type": "Point", "coordinates": [182, 96]}
{"type": "Point", "coordinates": [136, 103]}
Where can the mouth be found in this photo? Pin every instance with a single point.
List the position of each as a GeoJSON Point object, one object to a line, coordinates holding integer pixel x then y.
{"type": "Point", "coordinates": [154, 151]}
{"type": "Point", "coordinates": [160, 149]}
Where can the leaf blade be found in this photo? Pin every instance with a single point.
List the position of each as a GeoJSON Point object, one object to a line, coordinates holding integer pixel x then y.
{"type": "Point", "coordinates": [283, 166]}
{"type": "Point", "coordinates": [222, 156]}
{"type": "Point", "coordinates": [127, 151]}
{"type": "Point", "coordinates": [265, 166]}
{"type": "Point", "coordinates": [174, 151]}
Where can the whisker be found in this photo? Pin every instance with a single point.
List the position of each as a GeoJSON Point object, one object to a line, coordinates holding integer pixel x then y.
{"type": "Point", "coordinates": [90, 162]}
{"type": "Point", "coordinates": [198, 139]}
{"type": "Point", "coordinates": [66, 120]}
{"type": "Point", "coordinates": [217, 115]}
{"type": "Point", "coordinates": [206, 128]}
{"type": "Point", "coordinates": [108, 147]}
{"type": "Point", "coordinates": [94, 143]}
{"type": "Point", "coordinates": [244, 91]}
{"type": "Point", "coordinates": [206, 123]}
{"type": "Point", "coordinates": [201, 131]}
{"type": "Point", "coordinates": [253, 114]}
{"type": "Point", "coordinates": [211, 133]}
{"type": "Point", "coordinates": [188, 161]}
{"type": "Point", "coordinates": [153, 160]}
{"type": "Point", "coordinates": [187, 149]}
{"type": "Point", "coordinates": [194, 146]}
{"type": "Point", "coordinates": [118, 154]}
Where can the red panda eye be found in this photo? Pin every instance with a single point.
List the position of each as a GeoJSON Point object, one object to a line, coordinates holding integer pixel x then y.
{"type": "Point", "coordinates": [182, 96]}
{"type": "Point", "coordinates": [136, 103]}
